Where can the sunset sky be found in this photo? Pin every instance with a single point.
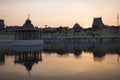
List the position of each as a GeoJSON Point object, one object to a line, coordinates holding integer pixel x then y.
{"type": "Point", "coordinates": [59, 12]}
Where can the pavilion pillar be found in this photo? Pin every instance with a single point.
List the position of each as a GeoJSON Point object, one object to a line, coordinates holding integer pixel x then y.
{"type": "Point", "coordinates": [32, 35]}
{"type": "Point", "coordinates": [22, 36]}
{"type": "Point", "coordinates": [19, 37]}
{"type": "Point", "coordinates": [15, 35]}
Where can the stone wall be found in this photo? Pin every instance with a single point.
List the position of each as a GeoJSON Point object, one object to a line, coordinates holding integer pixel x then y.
{"type": "Point", "coordinates": [86, 33]}
{"type": "Point", "coordinates": [7, 37]}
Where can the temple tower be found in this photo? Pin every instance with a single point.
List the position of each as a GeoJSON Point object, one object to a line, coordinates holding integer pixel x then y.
{"type": "Point", "coordinates": [2, 24]}
{"type": "Point", "coordinates": [97, 23]}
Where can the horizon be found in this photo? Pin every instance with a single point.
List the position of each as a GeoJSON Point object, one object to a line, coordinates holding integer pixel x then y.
{"type": "Point", "coordinates": [55, 13]}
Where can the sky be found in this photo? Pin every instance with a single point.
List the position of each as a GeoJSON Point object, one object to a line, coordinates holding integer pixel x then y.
{"type": "Point", "coordinates": [55, 13]}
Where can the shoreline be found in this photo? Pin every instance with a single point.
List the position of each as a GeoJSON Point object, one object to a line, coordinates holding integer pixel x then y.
{"type": "Point", "coordinates": [82, 40]}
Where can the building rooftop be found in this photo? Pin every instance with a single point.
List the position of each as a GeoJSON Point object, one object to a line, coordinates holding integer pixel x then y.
{"type": "Point", "coordinates": [77, 27]}
{"type": "Point", "coordinates": [98, 23]}
{"type": "Point", "coordinates": [28, 24]}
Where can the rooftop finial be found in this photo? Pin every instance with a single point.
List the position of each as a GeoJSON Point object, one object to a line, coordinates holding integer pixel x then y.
{"type": "Point", "coordinates": [28, 16]}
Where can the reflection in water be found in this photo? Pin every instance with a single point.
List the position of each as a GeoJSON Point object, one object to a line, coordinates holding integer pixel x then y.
{"type": "Point", "coordinates": [98, 50]}
{"type": "Point", "coordinates": [28, 59]}
{"type": "Point", "coordinates": [63, 49]}
{"type": "Point", "coordinates": [2, 59]}
{"type": "Point", "coordinates": [30, 56]}
{"type": "Point", "coordinates": [24, 55]}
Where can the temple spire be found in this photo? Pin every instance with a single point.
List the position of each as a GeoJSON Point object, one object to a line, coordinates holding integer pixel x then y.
{"type": "Point", "coordinates": [28, 16]}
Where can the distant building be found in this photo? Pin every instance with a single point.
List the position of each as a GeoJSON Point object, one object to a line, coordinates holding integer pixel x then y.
{"type": "Point", "coordinates": [77, 27]}
{"type": "Point", "coordinates": [29, 32]}
{"type": "Point", "coordinates": [2, 24]}
{"type": "Point", "coordinates": [97, 23]}
{"type": "Point", "coordinates": [11, 29]}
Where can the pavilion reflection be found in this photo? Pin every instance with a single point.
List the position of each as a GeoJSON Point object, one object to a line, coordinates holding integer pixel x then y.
{"type": "Point", "coordinates": [26, 56]}
{"type": "Point", "coordinates": [28, 59]}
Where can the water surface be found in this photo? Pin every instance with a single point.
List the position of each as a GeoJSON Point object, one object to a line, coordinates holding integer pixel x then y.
{"type": "Point", "coordinates": [60, 62]}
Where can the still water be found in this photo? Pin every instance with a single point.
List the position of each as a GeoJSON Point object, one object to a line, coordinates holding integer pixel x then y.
{"type": "Point", "coordinates": [60, 62]}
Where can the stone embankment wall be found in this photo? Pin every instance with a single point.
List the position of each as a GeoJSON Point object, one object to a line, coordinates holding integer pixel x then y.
{"type": "Point", "coordinates": [86, 33]}
{"type": "Point", "coordinates": [7, 37]}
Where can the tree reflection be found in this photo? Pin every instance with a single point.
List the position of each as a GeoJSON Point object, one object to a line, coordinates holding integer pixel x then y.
{"type": "Point", "coordinates": [63, 50]}
{"type": "Point", "coordinates": [2, 58]}
{"type": "Point", "coordinates": [99, 50]}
